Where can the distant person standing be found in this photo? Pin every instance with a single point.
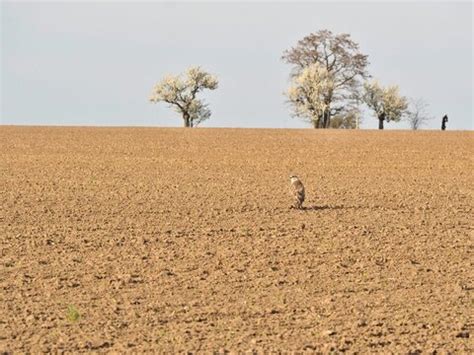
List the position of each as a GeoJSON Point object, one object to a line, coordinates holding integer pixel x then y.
{"type": "Point", "coordinates": [443, 124]}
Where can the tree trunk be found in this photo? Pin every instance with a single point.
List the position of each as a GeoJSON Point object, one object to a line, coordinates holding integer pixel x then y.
{"type": "Point", "coordinates": [327, 119]}
{"type": "Point", "coordinates": [381, 119]}
{"type": "Point", "coordinates": [316, 123]}
{"type": "Point", "coordinates": [186, 119]}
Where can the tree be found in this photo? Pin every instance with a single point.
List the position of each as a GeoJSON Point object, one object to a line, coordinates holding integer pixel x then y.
{"type": "Point", "coordinates": [180, 93]}
{"type": "Point", "coordinates": [386, 102]}
{"type": "Point", "coordinates": [343, 61]}
{"type": "Point", "coordinates": [307, 94]}
{"type": "Point", "coordinates": [350, 120]}
{"type": "Point", "coordinates": [417, 114]}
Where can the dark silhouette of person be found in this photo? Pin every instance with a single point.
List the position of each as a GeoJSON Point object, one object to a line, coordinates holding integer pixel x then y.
{"type": "Point", "coordinates": [443, 124]}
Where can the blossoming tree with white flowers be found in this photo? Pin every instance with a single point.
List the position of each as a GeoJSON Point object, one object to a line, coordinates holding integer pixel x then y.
{"type": "Point", "coordinates": [386, 102]}
{"type": "Point", "coordinates": [344, 63]}
{"type": "Point", "coordinates": [180, 92]}
{"type": "Point", "coordinates": [308, 91]}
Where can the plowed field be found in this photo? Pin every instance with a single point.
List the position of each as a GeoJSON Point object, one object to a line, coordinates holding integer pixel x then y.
{"type": "Point", "coordinates": [147, 239]}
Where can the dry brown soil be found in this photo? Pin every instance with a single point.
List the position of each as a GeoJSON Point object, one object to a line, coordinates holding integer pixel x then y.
{"type": "Point", "coordinates": [183, 240]}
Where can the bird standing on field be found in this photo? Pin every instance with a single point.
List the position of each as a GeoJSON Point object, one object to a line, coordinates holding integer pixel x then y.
{"type": "Point", "coordinates": [297, 191]}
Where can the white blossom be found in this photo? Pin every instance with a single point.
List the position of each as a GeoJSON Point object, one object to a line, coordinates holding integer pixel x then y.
{"type": "Point", "coordinates": [386, 102]}
{"type": "Point", "coordinates": [180, 92]}
{"type": "Point", "coordinates": [309, 93]}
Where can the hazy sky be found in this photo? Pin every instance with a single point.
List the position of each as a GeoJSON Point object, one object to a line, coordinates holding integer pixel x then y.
{"type": "Point", "coordinates": [95, 63]}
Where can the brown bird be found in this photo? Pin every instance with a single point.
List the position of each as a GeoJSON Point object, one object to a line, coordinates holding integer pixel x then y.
{"type": "Point", "coordinates": [297, 191]}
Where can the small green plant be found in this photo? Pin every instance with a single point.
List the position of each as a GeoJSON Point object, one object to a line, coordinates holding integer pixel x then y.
{"type": "Point", "coordinates": [72, 314]}
{"type": "Point", "coordinates": [160, 334]}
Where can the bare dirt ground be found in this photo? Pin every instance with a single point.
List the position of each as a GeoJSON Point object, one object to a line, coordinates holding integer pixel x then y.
{"type": "Point", "coordinates": [183, 240]}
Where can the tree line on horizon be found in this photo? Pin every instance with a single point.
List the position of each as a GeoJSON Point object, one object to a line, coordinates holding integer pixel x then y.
{"type": "Point", "coordinates": [329, 82]}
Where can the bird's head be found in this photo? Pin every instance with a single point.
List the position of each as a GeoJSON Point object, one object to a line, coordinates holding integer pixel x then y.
{"type": "Point", "coordinates": [293, 178]}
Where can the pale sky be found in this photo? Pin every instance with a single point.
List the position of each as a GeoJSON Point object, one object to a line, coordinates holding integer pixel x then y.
{"type": "Point", "coordinates": [95, 63]}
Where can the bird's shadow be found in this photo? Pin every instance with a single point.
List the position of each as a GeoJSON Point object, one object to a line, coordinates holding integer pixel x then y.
{"type": "Point", "coordinates": [322, 207]}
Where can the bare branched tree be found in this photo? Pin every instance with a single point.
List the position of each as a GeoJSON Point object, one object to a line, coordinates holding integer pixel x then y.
{"type": "Point", "coordinates": [181, 93]}
{"type": "Point", "coordinates": [417, 114]}
{"type": "Point", "coordinates": [343, 61]}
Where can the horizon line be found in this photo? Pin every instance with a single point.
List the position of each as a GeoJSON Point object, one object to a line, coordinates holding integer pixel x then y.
{"type": "Point", "coordinates": [220, 127]}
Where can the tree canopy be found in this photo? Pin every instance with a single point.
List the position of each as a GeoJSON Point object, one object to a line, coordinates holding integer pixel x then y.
{"type": "Point", "coordinates": [344, 63]}
{"type": "Point", "coordinates": [308, 91]}
{"type": "Point", "coordinates": [386, 102]}
{"type": "Point", "coordinates": [417, 114]}
{"type": "Point", "coordinates": [181, 93]}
